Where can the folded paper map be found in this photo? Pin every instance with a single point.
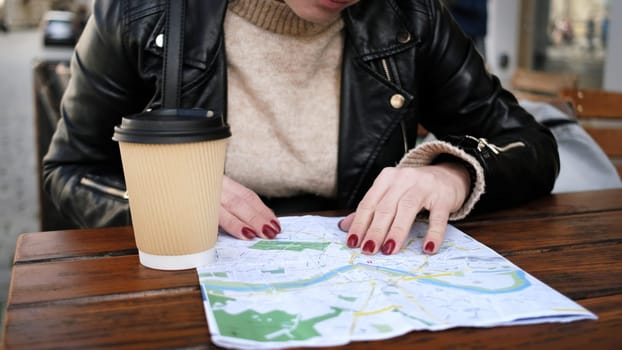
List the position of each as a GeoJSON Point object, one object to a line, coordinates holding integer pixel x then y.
{"type": "Point", "coordinates": [307, 288]}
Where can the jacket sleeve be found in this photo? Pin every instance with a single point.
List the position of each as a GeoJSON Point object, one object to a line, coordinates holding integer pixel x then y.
{"type": "Point", "coordinates": [466, 106]}
{"type": "Point", "coordinates": [82, 170]}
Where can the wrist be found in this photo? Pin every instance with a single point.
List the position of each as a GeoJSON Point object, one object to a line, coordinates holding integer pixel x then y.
{"type": "Point", "coordinates": [460, 169]}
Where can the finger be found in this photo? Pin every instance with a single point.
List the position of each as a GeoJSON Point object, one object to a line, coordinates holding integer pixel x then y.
{"type": "Point", "coordinates": [365, 210]}
{"type": "Point", "coordinates": [352, 239]}
{"type": "Point", "coordinates": [436, 230]}
{"type": "Point", "coordinates": [382, 220]}
{"type": "Point", "coordinates": [234, 226]}
{"type": "Point", "coordinates": [247, 207]}
{"type": "Point", "coordinates": [408, 207]}
{"type": "Point", "coordinates": [345, 223]}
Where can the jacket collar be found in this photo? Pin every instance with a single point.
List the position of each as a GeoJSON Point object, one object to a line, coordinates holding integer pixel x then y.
{"type": "Point", "coordinates": [377, 29]}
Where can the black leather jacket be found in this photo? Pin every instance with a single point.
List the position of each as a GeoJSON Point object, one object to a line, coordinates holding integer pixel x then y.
{"type": "Point", "coordinates": [405, 62]}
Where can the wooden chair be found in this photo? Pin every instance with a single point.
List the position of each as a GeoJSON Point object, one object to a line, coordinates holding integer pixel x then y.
{"type": "Point", "coordinates": [540, 86]}
{"type": "Point", "coordinates": [600, 114]}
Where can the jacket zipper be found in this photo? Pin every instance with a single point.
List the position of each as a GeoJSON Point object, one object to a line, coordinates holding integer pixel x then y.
{"type": "Point", "coordinates": [115, 192]}
{"type": "Point", "coordinates": [387, 73]}
{"type": "Point", "coordinates": [483, 143]}
{"type": "Point", "coordinates": [385, 67]}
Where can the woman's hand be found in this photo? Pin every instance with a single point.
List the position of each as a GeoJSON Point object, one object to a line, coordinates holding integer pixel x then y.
{"type": "Point", "coordinates": [243, 214]}
{"type": "Point", "coordinates": [385, 216]}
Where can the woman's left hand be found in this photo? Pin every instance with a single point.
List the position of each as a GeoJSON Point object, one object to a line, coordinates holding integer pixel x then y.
{"type": "Point", "coordinates": [386, 214]}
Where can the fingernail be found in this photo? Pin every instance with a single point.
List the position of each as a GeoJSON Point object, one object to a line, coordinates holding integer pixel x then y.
{"type": "Point", "coordinates": [387, 247]}
{"type": "Point", "coordinates": [353, 241]}
{"type": "Point", "coordinates": [276, 225]}
{"type": "Point", "coordinates": [339, 224]}
{"type": "Point", "coordinates": [249, 233]}
{"type": "Point", "coordinates": [268, 231]}
{"type": "Point", "coordinates": [429, 247]}
{"type": "Point", "coordinates": [369, 246]}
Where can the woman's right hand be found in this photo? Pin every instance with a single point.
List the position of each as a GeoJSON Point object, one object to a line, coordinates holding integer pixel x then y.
{"type": "Point", "coordinates": [243, 215]}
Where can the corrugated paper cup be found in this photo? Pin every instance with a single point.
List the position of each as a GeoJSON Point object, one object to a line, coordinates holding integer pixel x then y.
{"type": "Point", "coordinates": [173, 162]}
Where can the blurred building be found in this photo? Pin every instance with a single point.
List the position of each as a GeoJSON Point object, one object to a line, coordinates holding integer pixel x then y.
{"type": "Point", "coordinates": [557, 36]}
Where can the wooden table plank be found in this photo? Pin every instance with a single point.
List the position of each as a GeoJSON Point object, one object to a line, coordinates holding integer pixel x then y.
{"type": "Point", "coordinates": [178, 320]}
{"type": "Point", "coordinates": [42, 246]}
{"type": "Point", "coordinates": [549, 233]}
{"type": "Point", "coordinates": [171, 320]}
{"type": "Point", "coordinates": [558, 204]}
{"type": "Point", "coordinates": [87, 278]}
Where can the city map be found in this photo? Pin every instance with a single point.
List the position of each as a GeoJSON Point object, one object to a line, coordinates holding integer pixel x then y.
{"type": "Point", "coordinates": [307, 288]}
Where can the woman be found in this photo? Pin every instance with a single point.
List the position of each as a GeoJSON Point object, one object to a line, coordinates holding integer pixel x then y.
{"type": "Point", "coordinates": [323, 98]}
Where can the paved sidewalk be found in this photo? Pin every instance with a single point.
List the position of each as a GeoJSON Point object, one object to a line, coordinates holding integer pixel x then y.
{"type": "Point", "coordinates": [19, 212]}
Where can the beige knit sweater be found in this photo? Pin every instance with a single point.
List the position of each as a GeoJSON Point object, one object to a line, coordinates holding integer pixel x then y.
{"type": "Point", "coordinates": [283, 99]}
{"type": "Point", "coordinates": [283, 104]}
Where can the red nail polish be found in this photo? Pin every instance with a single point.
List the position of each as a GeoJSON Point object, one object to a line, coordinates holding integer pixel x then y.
{"type": "Point", "coordinates": [387, 247]}
{"type": "Point", "coordinates": [353, 241]}
{"type": "Point", "coordinates": [268, 231]}
{"type": "Point", "coordinates": [369, 246]}
{"type": "Point", "coordinates": [249, 233]}
{"type": "Point", "coordinates": [276, 225]}
{"type": "Point", "coordinates": [429, 247]}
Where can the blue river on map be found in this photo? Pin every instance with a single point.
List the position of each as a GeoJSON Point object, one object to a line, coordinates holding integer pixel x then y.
{"type": "Point", "coordinates": [519, 275]}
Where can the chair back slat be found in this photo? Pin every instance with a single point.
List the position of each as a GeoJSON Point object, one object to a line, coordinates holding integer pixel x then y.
{"type": "Point", "coordinates": [540, 86]}
{"type": "Point", "coordinates": [600, 114]}
{"type": "Point", "coordinates": [595, 103]}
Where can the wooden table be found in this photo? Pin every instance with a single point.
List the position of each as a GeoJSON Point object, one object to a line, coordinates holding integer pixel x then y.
{"type": "Point", "coordinates": [86, 288]}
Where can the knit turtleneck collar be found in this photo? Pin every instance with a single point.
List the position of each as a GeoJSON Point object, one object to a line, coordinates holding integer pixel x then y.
{"type": "Point", "coordinates": [275, 16]}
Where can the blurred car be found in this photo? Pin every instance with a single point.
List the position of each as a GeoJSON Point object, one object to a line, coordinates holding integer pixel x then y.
{"type": "Point", "coordinates": [59, 28]}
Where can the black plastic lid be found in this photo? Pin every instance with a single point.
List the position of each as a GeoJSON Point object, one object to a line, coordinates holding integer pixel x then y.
{"type": "Point", "coordinates": [167, 126]}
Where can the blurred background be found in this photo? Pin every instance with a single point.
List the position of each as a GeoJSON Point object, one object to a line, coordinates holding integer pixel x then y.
{"type": "Point", "coordinates": [35, 35]}
{"type": "Point", "coordinates": [576, 38]}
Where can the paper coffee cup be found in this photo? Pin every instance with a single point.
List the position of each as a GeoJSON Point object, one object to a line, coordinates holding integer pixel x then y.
{"type": "Point", "coordinates": [173, 162]}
